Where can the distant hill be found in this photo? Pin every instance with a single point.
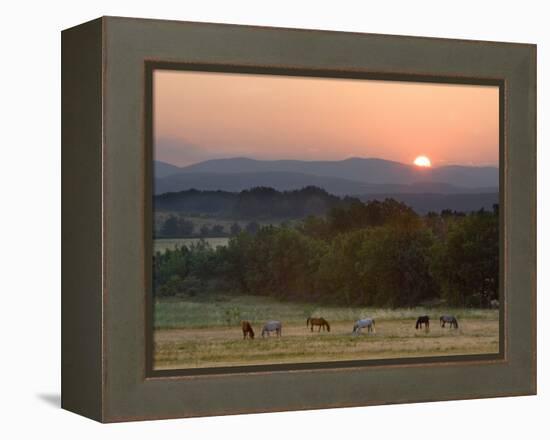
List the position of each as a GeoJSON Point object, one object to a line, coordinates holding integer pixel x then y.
{"type": "Point", "coordinates": [285, 181]}
{"type": "Point", "coordinates": [253, 204]}
{"type": "Point", "coordinates": [163, 169]}
{"type": "Point", "coordinates": [267, 203]}
{"type": "Point", "coordinates": [365, 170]}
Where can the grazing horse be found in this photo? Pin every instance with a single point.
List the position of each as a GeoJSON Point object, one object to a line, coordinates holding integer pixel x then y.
{"type": "Point", "coordinates": [272, 326]}
{"type": "Point", "coordinates": [247, 330]}
{"type": "Point", "coordinates": [448, 319]}
{"type": "Point", "coordinates": [321, 322]}
{"type": "Point", "coordinates": [425, 319]}
{"type": "Point", "coordinates": [362, 323]}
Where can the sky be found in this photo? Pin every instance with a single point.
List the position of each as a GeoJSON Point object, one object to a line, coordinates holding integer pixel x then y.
{"type": "Point", "coordinates": [202, 115]}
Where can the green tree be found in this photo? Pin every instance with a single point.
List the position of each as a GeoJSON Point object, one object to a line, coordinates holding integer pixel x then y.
{"type": "Point", "coordinates": [235, 229]}
{"type": "Point", "coordinates": [175, 226]}
{"type": "Point", "coordinates": [217, 230]}
{"type": "Point", "coordinates": [252, 228]}
{"type": "Point", "coordinates": [466, 263]}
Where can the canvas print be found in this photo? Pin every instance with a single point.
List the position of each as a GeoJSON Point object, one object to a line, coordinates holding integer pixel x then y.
{"type": "Point", "coordinates": [305, 219]}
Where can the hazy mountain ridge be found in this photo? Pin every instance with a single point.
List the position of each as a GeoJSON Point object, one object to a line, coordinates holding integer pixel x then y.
{"type": "Point", "coordinates": [350, 176]}
{"type": "Point", "coordinates": [284, 181]}
{"type": "Point", "coordinates": [163, 169]}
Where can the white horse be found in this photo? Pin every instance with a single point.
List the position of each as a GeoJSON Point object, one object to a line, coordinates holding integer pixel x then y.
{"type": "Point", "coordinates": [362, 323]}
{"type": "Point", "coordinates": [448, 319]}
{"type": "Point", "coordinates": [272, 326]}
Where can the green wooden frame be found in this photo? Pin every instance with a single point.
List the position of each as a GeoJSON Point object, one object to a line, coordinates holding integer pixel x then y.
{"type": "Point", "coordinates": [106, 214]}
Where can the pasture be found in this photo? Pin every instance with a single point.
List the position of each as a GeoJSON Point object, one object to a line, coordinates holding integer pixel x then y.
{"type": "Point", "coordinates": [204, 331]}
{"type": "Point", "coordinates": [161, 244]}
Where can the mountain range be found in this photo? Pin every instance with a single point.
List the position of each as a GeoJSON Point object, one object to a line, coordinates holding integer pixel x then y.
{"type": "Point", "coordinates": [353, 176]}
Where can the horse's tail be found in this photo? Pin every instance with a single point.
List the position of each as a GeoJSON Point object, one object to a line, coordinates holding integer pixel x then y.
{"type": "Point", "coordinates": [354, 328]}
{"type": "Point", "coordinates": [263, 331]}
{"type": "Point", "coordinates": [308, 321]}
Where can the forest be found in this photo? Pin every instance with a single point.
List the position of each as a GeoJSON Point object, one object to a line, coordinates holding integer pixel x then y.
{"type": "Point", "coordinates": [254, 203]}
{"type": "Point", "coordinates": [378, 253]}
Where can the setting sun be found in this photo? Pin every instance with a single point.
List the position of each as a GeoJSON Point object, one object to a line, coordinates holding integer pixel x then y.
{"type": "Point", "coordinates": [422, 161]}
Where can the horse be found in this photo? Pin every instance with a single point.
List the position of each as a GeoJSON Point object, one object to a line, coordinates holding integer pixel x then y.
{"type": "Point", "coordinates": [247, 330]}
{"type": "Point", "coordinates": [448, 319]}
{"type": "Point", "coordinates": [362, 323]}
{"type": "Point", "coordinates": [321, 322]}
{"type": "Point", "coordinates": [272, 326]}
{"type": "Point", "coordinates": [425, 319]}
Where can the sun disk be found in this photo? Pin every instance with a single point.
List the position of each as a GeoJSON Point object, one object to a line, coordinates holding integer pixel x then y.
{"type": "Point", "coordinates": [422, 161]}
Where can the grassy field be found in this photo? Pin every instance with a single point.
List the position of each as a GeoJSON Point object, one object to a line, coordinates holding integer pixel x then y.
{"type": "Point", "coordinates": [204, 331]}
{"type": "Point", "coordinates": [161, 244]}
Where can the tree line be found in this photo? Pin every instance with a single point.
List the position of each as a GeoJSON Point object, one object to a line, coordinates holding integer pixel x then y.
{"type": "Point", "coordinates": [253, 204]}
{"type": "Point", "coordinates": [175, 226]}
{"type": "Point", "coordinates": [379, 253]}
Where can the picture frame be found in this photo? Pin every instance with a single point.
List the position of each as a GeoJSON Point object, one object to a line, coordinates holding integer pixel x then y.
{"type": "Point", "coordinates": [107, 215]}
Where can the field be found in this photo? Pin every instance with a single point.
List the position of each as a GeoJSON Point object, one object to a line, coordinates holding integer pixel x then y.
{"type": "Point", "coordinates": [161, 244]}
{"type": "Point", "coordinates": [204, 331]}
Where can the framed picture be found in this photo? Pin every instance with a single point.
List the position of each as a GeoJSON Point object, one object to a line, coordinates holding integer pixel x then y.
{"type": "Point", "coordinates": [264, 219]}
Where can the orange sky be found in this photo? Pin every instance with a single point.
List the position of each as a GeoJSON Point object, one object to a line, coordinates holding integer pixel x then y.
{"type": "Point", "coordinates": [200, 116]}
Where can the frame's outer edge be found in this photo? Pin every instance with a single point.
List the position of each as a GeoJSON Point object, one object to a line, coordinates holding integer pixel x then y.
{"type": "Point", "coordinates": [127, 392]}
{"type": "Point", "coordinates": [81, 212]}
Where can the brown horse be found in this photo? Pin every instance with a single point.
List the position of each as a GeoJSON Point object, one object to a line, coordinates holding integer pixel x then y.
{"type": "Point", "coordinates": [321, 322]}
{"type": "Point", "coordinates": [247, 330]}
{"type": "Point", "coordinates": [425, 319]}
